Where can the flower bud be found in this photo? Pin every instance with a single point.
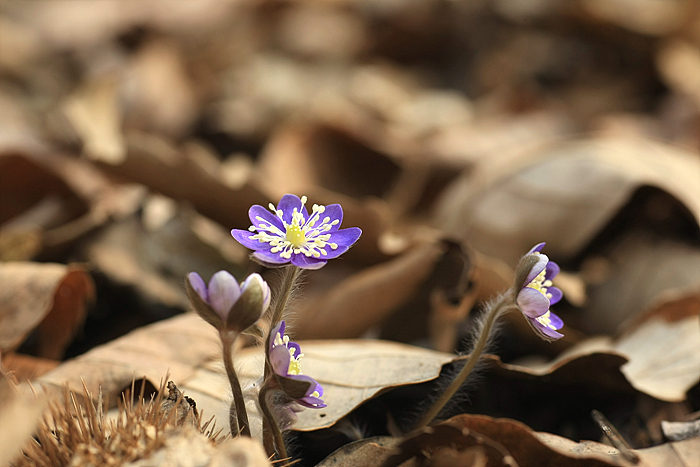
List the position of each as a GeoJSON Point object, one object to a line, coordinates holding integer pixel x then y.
{"type": "Point", "coordinates": [224, 303]}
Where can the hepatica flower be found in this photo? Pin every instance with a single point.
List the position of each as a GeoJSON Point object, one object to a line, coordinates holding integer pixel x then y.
{"type": "Point", "coordinates": [224, 303]}
{"type": "Point", "coordinates": [288, 233]}
{"type": "Point", "coordinates": [285, 359]}
{"type": "Point", "coordinates": [538, 294]}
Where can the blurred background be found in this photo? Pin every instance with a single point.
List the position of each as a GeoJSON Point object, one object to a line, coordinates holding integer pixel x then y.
{"type": "Point", "coordinates": [457, 134]}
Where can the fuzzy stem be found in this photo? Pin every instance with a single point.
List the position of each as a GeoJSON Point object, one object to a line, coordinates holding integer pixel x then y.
{"type": "Point", "coordinates": [270, 423]}
{"type": "Point", "coordinates": [291, 274]}
{"type": "Point", "coordinates": [492, 315]}
{"type": "Point", "coordinates": [238, 416]}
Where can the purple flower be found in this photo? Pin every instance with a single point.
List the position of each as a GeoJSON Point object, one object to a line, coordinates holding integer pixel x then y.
{"type": "Point", "coordinates": [285, 358]}
{"type": "Point", "coordinates": [538, 294]}
{"type": "Point", "coordinates": [290, 234]}
{"type": "Point", "coordinates": [226, 305]}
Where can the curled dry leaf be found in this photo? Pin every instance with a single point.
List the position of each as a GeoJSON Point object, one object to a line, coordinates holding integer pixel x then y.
{"type": "Point", "coordinates": [615, 298]}
{"type": "Point", "coordinates": [435, 446]}
{"type": "Point", "coordinates": [51, 297]}
{"type": "Point", "coordinates": [524, 445]}
{"type": "Point", "coordinates": [495, 205]}
{"type": "Point", "coordinates": [661, 350]}
{"type": "Point", "coordinates": [367, 298]}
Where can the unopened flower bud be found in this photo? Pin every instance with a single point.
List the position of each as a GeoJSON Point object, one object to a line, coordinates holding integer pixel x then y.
{"type": "Point", "coordinates": [224, 303]}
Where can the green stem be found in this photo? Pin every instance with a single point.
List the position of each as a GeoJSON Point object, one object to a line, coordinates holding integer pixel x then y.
{"type": "Point", "coordinates": [270, 422]}
{"type": "Point", "coordinates": [496, 310]}
{"type": "Point", "coordinates": [238, 415]}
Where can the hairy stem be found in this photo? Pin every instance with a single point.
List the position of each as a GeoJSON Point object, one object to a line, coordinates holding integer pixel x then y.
{"type": "Point", "coordinates": [270, 424]}
{"type": "Point", "coordinates": [238, 415]}
{"type": "Point", "coordinates": [291, 274]}
{"type": "Point", "coordinates": [290, 277]}
{"type": "Point", "coordinates": [492, 315]}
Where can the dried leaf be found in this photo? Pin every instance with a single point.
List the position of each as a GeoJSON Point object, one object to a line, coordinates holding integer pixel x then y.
{"type": "Point", "coordinates": [370, 452]}
{"type": "Point", "coordinates": [368, 297]}
{"type": "Point", "coordinates": [662, 355]}
{"type": "Point", "coordinates": [341, 368]}
{"type": "Point", "coordinates": [176, 346]}
{"type": "Point", "coordinates": [94, 112]}
{"type": "Point", "coordinates": [51, 296]}
{"type": "Point", "coordinates": [496, 203]}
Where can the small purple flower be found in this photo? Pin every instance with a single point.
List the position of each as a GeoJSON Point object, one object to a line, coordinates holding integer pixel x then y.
{"type": "Point", "coordinates": [285, 358]}
{"type": "Point", "coordinates": [538, 294]}
{"type": "Point", "coordinates": [290, 234]}
{"type": "Point", "coordinates": [227, 305]}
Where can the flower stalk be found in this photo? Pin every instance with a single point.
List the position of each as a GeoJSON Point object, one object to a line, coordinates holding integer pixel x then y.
{"type": "Point", "coordinates": [238, 415]}
{"type": "Point", "coordinates": [270, 422]}
{"type": "Point", "coordinates": [492, 315]}
{"type": "Point", "coordinates": [532, 294]}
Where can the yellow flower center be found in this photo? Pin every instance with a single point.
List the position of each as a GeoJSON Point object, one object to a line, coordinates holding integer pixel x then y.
{"type": "Point", "coordinates": [295, 360]}
{"type": "Point", "coordinates": [295, 236]}
{"type": "Point", "coordinates": [545, 320]}
{"type": "Point", "coordinates": [540, 284]}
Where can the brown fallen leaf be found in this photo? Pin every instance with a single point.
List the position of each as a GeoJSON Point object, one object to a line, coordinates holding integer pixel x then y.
{"type": "Point", "coordinates": [368, 297]}
{"type": "Point", "coordinates": [51, 297]}
{"type": "Point", "coordinates": [25, 367]}
{"type": "Point", "coordinates": [524, 445]}
{"type": "Point", "coordinates": [93, 110]}
{"type": "Point", "coordinates": [494, 205]}
{"type": "Point", "coordinates": [661, 349]}
{"type": "Point", "coordinates": [370, 452]}
{"type": "Point", "coordinates": [177, 346]}
{"type": "Point", "coordinates": [339, 365]}
{"type": "Point", "coordinates": [669, 267]}
{"type": "Point", "coordinates": [181, 173]}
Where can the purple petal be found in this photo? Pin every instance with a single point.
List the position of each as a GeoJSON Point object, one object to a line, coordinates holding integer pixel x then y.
{"type": "Point", "coordinates": [311, 402]}
{"type": "Point", "coordinates": [556, 321]}
{"type": "Point", "coordinates": [539, 266]}
{"type": "Point", "coordinates": [223, 293]}
{"type": "Point", "coordinates": [345, 237]}
{"type": "Point", "coordinates": [279, 329]}
{"type": "Point", "coordinates": [335, 212]}
{"type": "Point", "coordinates": [552, 270]}
{"type": "Point", "coordinates": [318, 389]}
{"type": "Point", "coordinates": [270, 258]}
{"type": "Point", "coordinates": [296, 347]}
{"type": "Point", "coordinates": [532, 302]}
{"type": "Point", "coordinates": [334, 253]}
{"type": "Point", "coordinates": [287, 205]}
{"type": "Point", "coordinates": [280, 359]}
{"type": "Point", "coordinates": [198, 285]}
{"type": "Point", "coordinates": [266, 215]}
{"type": "Point", "coordinates": [556, 295]}
{"type": "Point", "coordinates": [536, 248]}
{"type": "Point", "coordinates": [305, 262]}
{"type": "Point", "coordinates": [243, 237]}
{"type": "Point", "coordinates": [545, 330]}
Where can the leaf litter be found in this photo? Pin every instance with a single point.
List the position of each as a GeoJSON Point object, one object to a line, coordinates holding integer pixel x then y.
{"type": "Point", "coordinates": [134, 137]}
